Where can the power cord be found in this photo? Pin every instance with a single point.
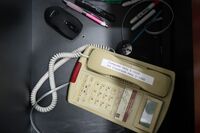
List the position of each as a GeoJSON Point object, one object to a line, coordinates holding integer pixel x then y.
{"type": "Point", "coordinates": [41, 98]}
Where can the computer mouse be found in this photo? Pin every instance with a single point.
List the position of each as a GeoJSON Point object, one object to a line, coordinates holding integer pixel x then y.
{"type": "Point", "coordinates": [63, 22]}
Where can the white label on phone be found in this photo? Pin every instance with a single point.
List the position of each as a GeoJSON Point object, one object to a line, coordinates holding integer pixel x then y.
{"type": "Point", "coordinates": [127, 71]}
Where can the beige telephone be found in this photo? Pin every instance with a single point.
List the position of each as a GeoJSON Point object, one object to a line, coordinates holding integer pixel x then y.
{"type": "Point", "coordinates": [128, 92]}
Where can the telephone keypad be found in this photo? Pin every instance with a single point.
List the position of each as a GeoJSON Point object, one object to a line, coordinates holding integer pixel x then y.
{"type": "Point", "coordinates": [97, 95]}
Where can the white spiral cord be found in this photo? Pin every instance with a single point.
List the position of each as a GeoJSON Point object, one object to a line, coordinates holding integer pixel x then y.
{"type": "Point", "coordinates": [65, 57]}
{"type": "Point", "coordinates": [54, 64]}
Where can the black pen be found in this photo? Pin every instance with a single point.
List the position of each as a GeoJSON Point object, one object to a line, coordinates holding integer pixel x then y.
{"type": "Point", "coordinates": [92, 8]}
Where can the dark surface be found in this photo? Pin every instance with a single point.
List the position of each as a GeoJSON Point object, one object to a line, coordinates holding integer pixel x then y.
{"type": "Point", "coordinates": [15, 55]}
{"type": "Point", "coordinates": [66, 118]}
{"type": "Point", "coordinates": [19, 70]}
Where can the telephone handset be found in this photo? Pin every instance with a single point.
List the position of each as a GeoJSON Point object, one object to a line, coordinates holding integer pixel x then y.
{"type": "Point", "coordinates": [128, 92]}
{"type": "Point", "coordinates": [114, 65]}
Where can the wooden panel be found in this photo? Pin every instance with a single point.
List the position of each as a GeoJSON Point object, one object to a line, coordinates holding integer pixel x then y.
{"type": "Point", "coordinates": [196, 47]}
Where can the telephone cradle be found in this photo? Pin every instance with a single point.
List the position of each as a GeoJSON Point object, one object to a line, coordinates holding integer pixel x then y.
{"type": "Point", "coordinates": [128, 92]}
